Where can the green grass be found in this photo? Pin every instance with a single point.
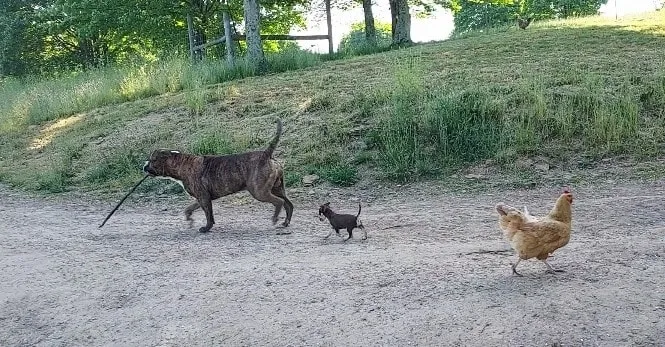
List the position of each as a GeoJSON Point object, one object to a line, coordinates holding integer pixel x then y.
{"type": "Point", "coordinates": [335, 172]}
{"type": "Point", "coordinates": [213, 144]}
{"type": "Point", "coordinates": [33, 102]}
{"type": "Point", "coordinates": [553, 91]}
{"type": "Point", "coordinates": [123, 163]}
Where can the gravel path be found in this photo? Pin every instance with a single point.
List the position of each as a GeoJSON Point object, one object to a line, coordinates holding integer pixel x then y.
{"type": "Point", "coordinates": [423, 277]}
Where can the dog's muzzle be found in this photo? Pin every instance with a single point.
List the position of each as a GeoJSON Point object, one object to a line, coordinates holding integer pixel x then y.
{"type": "Point", "coordinates": [322, 217]}
{"type": "Point", "coordinates": [146, 168]}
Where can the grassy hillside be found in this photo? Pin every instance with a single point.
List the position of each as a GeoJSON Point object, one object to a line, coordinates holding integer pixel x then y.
{"type": "Point", "coordinates": [565, 92]}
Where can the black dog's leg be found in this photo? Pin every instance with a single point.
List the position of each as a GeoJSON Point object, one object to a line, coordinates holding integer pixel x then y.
{"type": "Point", "coordinates": [206, 205]}
{"type": "Point", "coordinates": [350, 231]}
{"type": "Point", "coordinates": [330, 233]}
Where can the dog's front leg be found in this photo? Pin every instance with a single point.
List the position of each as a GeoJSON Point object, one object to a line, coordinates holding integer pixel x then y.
{"type": "Point", "coordinates": [189, 210]}
{"type": "Point", "coordinates": [206, 205]}
{"type": "Point", "coordinates": [330, 233]}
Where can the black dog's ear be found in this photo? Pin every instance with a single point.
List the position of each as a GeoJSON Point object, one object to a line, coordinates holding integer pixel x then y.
{"type": "Point", "coordinates": [326, 204]}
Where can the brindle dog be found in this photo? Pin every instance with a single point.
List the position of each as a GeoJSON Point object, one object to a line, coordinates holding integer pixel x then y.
{"type": "Point", "coordinates": [209, 177]}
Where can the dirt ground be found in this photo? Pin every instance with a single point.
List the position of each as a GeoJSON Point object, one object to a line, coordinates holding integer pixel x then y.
{"type": "Point", "coordinates": [422, 277]}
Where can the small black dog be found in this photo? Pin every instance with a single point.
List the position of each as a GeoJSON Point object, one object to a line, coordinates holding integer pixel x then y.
{"type": "Point", "coordinates": [341, 221]}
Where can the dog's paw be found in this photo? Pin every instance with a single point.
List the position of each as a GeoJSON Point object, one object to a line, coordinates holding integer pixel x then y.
{"type": "Point", "coordinates": [204, 229]}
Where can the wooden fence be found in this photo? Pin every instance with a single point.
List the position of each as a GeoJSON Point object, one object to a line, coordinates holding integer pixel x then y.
{"type": "Point", "coordinates": [229, 37]}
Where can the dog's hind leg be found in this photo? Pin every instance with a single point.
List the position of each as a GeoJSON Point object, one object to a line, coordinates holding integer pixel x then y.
{"type": "Point", "coordinates": [189, 210]}
{"type": "Point", "coordinates": [279, 191]}
{"type": "Point", "coordinates": [362, 227]}
{"type": "Point", "coordinates": [276, 201]}
{"type": "Point", "coordinates": [350, 231]}
{"type": "Point", "coordinates": [267, 196]}
{"type": "Point", "coordinates": [206, 205]}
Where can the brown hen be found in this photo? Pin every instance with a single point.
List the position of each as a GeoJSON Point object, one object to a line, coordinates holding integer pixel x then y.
{"type": "Point", "coordinates": [534, 237]}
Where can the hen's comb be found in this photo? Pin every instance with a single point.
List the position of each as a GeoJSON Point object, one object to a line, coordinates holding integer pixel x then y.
{"type": "Point", "coordinates": [566, 190]}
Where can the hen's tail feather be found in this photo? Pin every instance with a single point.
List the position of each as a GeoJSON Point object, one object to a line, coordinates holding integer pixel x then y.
{"type": "Point", "coordinates": [504, 209]}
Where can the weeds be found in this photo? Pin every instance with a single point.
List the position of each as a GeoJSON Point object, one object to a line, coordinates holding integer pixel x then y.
{"type": "Point", "coordinates": [339, 174]}
{"type": "Point", "coordinates": [404, 114]}
{"type": "Point", "coordinates": [213, 144]}
{"type": "Point", "coordinates": [336, 172]}
{"type": "Point", "coordinates": [54, 180]}
{"type": "Point", "coordinates": [122, 164]}
{"type": "Point", "coordinates": [292, 179]}
{"type": "Point", "coordinates": [425, 132]}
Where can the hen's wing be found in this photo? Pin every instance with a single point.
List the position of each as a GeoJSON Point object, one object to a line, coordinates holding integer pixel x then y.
{"type": "Point", "coordinates": [544, 236]}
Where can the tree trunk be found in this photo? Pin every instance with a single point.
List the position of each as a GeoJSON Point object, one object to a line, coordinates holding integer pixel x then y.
{"type": "Point", "coordinates": [370, 30]}
{"type": "Point", "coordinates": [199, 39]}
{"type": "Point", "coordinates": [393, 18]}
{"type": "Point", "coordinates": [253, 32]}
{"type": "Point", "coordinates": [228, 38]}
{"type": "Point", "coordinates": [401, 22]}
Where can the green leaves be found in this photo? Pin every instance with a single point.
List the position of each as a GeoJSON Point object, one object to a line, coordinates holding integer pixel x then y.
{"type": "Point", "coordinates": [478, 14]}
{"type": "Point", "coordinates": [57, 36]}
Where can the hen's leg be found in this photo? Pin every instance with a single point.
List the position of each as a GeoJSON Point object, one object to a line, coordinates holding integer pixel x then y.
{"type": "Point", "coordinates": [550, 268]}
{"type": "Point", "coordinates": [515, 267]}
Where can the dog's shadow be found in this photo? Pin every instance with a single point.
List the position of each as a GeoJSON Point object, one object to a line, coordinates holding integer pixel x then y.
{"type": "Point", "coordinates": [229, 232]}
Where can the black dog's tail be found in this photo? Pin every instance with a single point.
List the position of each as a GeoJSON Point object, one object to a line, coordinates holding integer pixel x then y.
{"type": "Point", "coordinates": [275, 140]}
{"type": "Point", "coordinates": [359, 208]}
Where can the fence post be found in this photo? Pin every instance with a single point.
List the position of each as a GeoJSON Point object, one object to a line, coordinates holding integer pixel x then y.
{"type": "Point", "coordinates": [190, 32]}
{"type": "Point", "coordinates": [228, 37]}
{"type": "Point", "coordinates": [329, 22]}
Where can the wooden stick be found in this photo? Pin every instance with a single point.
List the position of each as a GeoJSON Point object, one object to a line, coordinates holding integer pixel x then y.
{"type": "Point", "coordinates": [123, 199]}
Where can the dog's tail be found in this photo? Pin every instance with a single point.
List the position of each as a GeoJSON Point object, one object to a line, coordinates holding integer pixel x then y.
{"type": "Point", "coordinates": [359, 208]}
{"type": "Point", "coordinates": [275, 140]}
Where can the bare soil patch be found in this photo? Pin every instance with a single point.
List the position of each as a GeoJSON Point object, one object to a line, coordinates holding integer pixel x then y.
{"type": "Point", "coordinates": [423, 277]}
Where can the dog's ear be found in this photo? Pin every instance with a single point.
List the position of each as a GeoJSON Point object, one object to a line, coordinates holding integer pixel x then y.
{"type": "Point", "coordinates": [326, 204]}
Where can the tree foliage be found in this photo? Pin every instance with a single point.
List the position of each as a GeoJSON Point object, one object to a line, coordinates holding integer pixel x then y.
{"type": "Point", "coordinates": [356, 41]}
{"type": "Point", "coordinates": [53, 36]}
{"type": "Point", "coordinates": [478, 14]}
